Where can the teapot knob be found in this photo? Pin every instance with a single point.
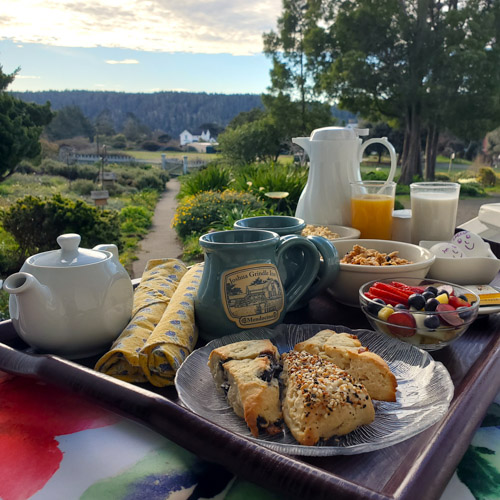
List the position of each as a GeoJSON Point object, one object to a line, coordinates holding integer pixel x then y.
{"type": "Point", "coordinates": [69, 242]}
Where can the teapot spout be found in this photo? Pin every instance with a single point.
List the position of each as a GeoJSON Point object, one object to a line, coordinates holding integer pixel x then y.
{"type": "Point", "coordinates": [303, 142]}
{"type": "Point", "coordinates": [31, 297]}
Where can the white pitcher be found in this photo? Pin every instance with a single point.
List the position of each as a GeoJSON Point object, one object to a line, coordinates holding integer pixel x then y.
{"type": "Point", "coordinates": [335, 155]}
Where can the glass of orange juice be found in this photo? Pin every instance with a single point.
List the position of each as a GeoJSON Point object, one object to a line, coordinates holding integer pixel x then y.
{"type": "Point", "coordinates": [372, 204]}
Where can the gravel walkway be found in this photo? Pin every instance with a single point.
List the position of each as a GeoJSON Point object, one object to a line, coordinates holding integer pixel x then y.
{"type": "Point", "coordinates": [161, 241]}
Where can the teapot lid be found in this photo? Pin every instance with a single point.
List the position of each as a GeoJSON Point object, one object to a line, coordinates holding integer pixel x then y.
{"type": "Point", "coordinates": [69, 255]}
{"type": "Point", "coordinates": [337, 133]}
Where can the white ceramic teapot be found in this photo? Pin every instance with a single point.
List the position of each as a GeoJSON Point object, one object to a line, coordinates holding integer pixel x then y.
{"type": "Point", "coordinates": [335, 154]}
{"type": "Point", "coordinates": [74, 301]}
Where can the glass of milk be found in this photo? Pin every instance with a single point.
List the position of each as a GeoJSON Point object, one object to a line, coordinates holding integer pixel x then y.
{"type": "Point", "coordinates": [433, 210]}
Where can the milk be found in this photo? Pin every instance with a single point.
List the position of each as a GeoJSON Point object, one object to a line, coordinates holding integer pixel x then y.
{"type": "Point", "coordinates": [433, 216]}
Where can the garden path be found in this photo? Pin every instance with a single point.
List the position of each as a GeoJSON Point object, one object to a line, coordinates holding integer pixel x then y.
{"type": "Point", "coordinates": [162, 240]}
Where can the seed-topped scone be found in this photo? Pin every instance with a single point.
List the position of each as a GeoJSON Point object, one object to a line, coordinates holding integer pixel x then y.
{"type": "Point", "coordinates": [252, 389]}
{"type": "Point", "coordinates": [321, 400]}
{"type": "Point", "coordinates": [246, 349]}
{"type": "Point", "coordinates": [345, 351]}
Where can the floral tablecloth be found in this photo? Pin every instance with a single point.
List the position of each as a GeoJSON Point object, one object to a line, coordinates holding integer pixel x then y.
{"type": "Point", "coordinates": [56, 445]}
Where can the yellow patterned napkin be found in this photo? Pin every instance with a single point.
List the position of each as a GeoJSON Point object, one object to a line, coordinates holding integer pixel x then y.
{"type": "Point", "coordinates": [151, 298]}
{"type": "Point", "coordinates": [176, 334]}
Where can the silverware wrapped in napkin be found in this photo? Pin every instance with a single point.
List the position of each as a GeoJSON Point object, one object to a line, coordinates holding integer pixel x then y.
{"type": "Point", "coordinates": [162, 331]}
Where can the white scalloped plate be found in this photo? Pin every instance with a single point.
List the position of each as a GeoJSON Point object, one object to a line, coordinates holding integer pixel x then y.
{"type": "Point", "coordinates": [424, 392]}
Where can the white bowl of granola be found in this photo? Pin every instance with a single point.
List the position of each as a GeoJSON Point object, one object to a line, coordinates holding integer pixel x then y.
{"type": "Point", "coordinates": [331, 232]}
{"type": "Point", "coordinates": [364, 260]}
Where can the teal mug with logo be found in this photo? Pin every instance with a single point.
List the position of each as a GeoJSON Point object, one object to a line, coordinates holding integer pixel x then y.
{"type": "Point", "coordinates": [286, 225]}
{"type": "Point", "coordinates": [242, 288]}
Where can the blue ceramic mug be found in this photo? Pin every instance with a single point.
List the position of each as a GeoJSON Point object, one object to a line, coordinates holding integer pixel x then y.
{"type": "Point", "coordinates": [286, 225]}
{"type": "Point", "coordinates": [242, 287]}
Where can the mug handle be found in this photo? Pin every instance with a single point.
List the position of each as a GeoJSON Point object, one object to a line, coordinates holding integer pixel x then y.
{"type": "Point", "coordinates": [392, 153]}
{"type": "Point", "coordinates": [328, 268]}
{"type": "Point", "coordinates": [303, 280]}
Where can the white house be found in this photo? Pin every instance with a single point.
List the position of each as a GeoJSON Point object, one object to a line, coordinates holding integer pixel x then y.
{"type": "Point", "coordinates": [187, 137]}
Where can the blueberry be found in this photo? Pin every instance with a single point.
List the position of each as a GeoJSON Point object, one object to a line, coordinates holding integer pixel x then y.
{"type": "Point", "coordinates": [431, 304]}
{"type": "Point", "coordinates": [464, 312]}
{"type": "Point", "coordinates": [400, 306]}
{"type": "Point", "coordinates": [374, 306]}
{"type": "Point", "coordinates": [442, 290]}
{"type": "Point", "coordinates": [432, 289]}
{"type": "Point", "coordinates": [428, 295]}
{"type": "Point", "coordinates": [417, 301]}
{"type": "Point", "coordinates": [463, 297]}
{"type": "Point", "coordinates": [431, 322]}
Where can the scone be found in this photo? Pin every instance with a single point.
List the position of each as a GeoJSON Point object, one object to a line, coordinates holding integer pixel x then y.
{"type": "Point", "coordinates": [246, 349]}
{"type": "Point", "coordinates": [321, 400]}
{"type": "Point", "coordinates": [252, 389]}
{"type": "Point", "coordinates": [346, 351]}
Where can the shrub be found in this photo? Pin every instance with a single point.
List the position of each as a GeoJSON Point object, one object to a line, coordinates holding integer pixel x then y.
{"type": "Point", "coordinates": [195, 214]}
{"type": "Point", "coordinates": [135, 220]}
{"type": "Point", "coordinates": [83, 187]}
{"type": "Point", "coordinates": [272, 177]}
{"type": "Point", "coordinates": [487, 177]}
{"type": "Point", "coordinates": [441, 177]}
{"type": "Point", "coordinates": [471, 189]}
{"type": "Point", "coordinates": [211, 178]}
{"type": "Point", "coordinates": [35, 223]}
{"type": "Point", "coordinates": [151, 180]}
{"type": "Point", "coordinates": [150, 146]}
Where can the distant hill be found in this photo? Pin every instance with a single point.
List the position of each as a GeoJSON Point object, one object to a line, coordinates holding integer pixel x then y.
{"type": "Point", "coordinates": [170, 112]}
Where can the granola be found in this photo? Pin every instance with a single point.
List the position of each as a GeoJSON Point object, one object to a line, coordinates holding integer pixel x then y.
{"type": "Point", "coordinates": [362, 256]}
{"type": "Point", "coordinates": [312, 230]}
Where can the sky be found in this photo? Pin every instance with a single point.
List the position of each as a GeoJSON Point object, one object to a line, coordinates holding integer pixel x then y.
{"type": "Point", "coordinates": [212, 46]}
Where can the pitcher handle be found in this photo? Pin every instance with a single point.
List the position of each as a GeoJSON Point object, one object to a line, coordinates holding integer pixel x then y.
{"type": "Point", "coordinates": [392, 153]}
{"type": "Point", "coordinates": [303, 280]}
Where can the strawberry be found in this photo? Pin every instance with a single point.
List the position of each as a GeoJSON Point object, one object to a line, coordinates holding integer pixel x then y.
{"type": "Point", "coordinates": [457, 302]}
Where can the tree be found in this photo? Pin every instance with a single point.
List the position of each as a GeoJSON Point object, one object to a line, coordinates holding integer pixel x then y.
{"type": "Point", "coordinates": [420, 63]}
{"type": "Point", "coordinates": [104, 123]}
{"type": "Point", "coordinates": [21, 125]}
{"type": "Point", "coordinates": [70, 122]}
{"type": "Point", "coordinates": [252, 141]}
{"type": "Point", "coordinates": [134, 129]}
{"type": "Point", "coordinates": [294, 95]}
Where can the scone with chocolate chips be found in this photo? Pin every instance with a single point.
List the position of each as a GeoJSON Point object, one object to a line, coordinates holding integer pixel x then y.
{"type": "Point", "coordinates": [345, 351]}
{"type": "Point", "coordinates": [253, 391]}
{"type": "Point", "coordinates": [248, 374]}
{"type": "Point", "coordinates": [321, 400]}
{"type": "Point", "coordinates": [246, 349]}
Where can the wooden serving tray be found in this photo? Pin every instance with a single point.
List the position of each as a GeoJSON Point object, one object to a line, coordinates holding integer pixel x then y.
{"type": "Point", "coordinates": [417, 468]}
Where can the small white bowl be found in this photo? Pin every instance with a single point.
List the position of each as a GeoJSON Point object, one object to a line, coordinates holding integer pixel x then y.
{"type": "Point", "coordinates": [345, 288]}
{"type": "Point", "coordinates": [344, 232]}
{"type": "Point", "coordinates": [465, 271]}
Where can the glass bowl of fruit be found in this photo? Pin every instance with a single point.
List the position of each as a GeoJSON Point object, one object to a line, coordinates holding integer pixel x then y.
{"type": "Point", "coordinates": [427, 313]}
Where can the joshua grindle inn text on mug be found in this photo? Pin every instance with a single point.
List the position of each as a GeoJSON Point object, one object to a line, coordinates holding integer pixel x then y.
{"type": "Point", "coordinates": [433, 210]}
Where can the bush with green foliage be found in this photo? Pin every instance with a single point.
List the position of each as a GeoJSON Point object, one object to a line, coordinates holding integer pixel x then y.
{"type": "Point", "coordinates": [35, 223]}
{"type": "Point", "coordinates": [471, 189]}
{"type": "Point", "coordinates": [487, 177]}
{"type": "Point", "coordinates": [196, 214]}
{"type": "Point", "coordinates": [135, 220]}
{"type": "Point", "coordinates": [214, 177]}
{"type": "Point", "coordinates": [260, 179]}
{"type": "Point", "coordinates": [151, 180]}
{"type": "Point", "coordinates": [83, 187]}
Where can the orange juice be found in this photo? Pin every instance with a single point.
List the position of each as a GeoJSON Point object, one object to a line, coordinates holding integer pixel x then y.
{"type": "Point", "coordinates": [372, 215]}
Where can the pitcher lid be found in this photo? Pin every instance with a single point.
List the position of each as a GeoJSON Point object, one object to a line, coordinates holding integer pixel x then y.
{"type": "Point", "coordinates": [337, 133]}
{"type": "Point", "coordinates": [69, 255]}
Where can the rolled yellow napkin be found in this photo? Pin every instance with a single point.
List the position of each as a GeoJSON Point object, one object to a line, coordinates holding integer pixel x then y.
{"type": "Point", "coordinates": [176, 334]}
{"type": "Point", "coordinates": [151, 297]}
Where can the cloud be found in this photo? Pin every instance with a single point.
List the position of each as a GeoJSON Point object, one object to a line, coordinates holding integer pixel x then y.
{"type": "Point", "coordinates": [27, 77]}
{"type": "Point", "coordinates": [123, 61]}
{"type": "Point", "coordinates": [198, 26]}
